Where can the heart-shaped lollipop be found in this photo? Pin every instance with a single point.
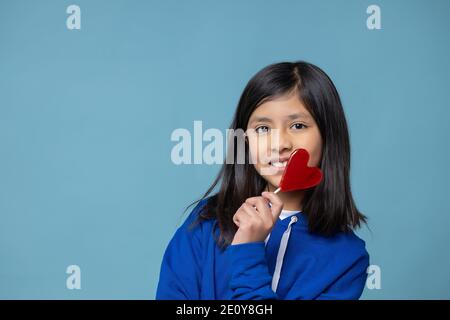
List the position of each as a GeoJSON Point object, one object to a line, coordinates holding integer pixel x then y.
{"type": "Point", "coordinates": [297, 175]}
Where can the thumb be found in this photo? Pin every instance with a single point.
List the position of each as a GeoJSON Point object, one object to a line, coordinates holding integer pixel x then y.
{"type": "Point", "coordinates": [277, 204]}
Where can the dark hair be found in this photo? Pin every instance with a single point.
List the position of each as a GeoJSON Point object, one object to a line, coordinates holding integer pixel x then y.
{"type": "Point", "coordinates": [329, 207]}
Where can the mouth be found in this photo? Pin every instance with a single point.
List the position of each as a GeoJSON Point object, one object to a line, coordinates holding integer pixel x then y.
{"type": "Point", "coordinates": [279, 166]}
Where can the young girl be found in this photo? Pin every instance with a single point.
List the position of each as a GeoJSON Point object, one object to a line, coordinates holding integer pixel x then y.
{"type": "Point", "coordinates": [246, 242]}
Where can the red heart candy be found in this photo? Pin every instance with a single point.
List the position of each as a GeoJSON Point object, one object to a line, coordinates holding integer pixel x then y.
{"type": "Point", "coordinates": [297, 175]}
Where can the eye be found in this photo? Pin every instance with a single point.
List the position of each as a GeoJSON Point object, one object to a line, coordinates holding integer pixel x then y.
{"type": "Point", "coordinates": [298, 126]}
{"type": "Point", "coordinates": [262, 129]}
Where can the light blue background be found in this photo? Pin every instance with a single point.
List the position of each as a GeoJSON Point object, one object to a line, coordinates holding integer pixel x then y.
{"type": "Point", "coordinates": [86, 117]}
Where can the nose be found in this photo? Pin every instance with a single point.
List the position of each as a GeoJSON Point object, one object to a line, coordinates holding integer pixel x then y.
{"type": "Point", "coordinates": [281, 142]}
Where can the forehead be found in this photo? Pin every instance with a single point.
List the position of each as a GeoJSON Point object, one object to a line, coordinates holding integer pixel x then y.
{"type": "Point", "coordinates": [281, 108]}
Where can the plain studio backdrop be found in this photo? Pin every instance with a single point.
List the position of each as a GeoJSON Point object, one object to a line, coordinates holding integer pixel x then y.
{"type": "Point", "coordinates": [86, 117]}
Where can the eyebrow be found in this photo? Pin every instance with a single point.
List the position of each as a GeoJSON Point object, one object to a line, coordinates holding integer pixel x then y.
{"type": "Point", "coordinates": [293, 116]}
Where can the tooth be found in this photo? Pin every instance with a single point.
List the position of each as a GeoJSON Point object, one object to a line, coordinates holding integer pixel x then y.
{"type": "Point", "coordinates": [279, 164]}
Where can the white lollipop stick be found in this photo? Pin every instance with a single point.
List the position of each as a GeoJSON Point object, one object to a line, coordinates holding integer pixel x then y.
{"type": "Point", "coordinates": [278, 190]}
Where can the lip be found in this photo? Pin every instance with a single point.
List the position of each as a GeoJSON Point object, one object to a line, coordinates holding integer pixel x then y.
{"type": "Point", "coordinates": [276, 159]}
{"type": "Point", "coordinates": [273, 171]}
{"type": "Point", "coordinates": [278, 170]}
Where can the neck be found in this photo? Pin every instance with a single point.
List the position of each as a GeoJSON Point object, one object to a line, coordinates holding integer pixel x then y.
{"type": "Point", "coordinates": [292, 200]}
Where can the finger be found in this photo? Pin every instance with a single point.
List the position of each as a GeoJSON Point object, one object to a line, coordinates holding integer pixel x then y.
{"type": "Point", "coordinates": [243, 214]}
{"type": "Point", "coordinates": [252, 216]}
{"type": "Point", "coordinates": [250, 210]}
{"type": "Point", "coordinates": [277, 204]}
{"type": "Point", "coordinates": [237, 217]}
{"type": "Point", "coordinates": [262, 205]}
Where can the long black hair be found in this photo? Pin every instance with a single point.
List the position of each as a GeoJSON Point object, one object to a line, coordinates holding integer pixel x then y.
{"type": "Point", "coordinates": [329, 207]}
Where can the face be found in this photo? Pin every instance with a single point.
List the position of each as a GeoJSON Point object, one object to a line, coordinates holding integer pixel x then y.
{"type": "Point", "coordinates": [275, 129]}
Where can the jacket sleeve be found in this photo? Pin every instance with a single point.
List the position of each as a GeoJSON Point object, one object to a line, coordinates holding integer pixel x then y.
{"type": "Point", "coordinates": [180, 271]}
{"type": "Point", "coordinates": [250, 277]}
{"type": "Point", "coordinates": [350, 284]}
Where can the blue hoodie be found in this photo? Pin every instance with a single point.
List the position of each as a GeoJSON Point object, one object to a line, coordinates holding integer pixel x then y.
{"type": "Point", "coordinates": [290, 264]}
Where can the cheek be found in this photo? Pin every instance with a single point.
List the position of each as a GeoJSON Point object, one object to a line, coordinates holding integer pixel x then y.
{"type": "Point", "coordinates": [252, 148]}
{"type": "Point", "coordinates": [257, 151]}
{"type": "Point", "coordinates": [314, 147]}
{"type": "Point", "coordinates": [315, 156]}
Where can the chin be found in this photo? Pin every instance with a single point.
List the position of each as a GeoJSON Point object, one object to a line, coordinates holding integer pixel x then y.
{"type": "Point", "coordinates": [274, 184]}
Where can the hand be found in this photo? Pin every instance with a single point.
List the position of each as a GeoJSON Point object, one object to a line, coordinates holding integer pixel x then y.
{"type": "Point", "coordinates": [256, 219]}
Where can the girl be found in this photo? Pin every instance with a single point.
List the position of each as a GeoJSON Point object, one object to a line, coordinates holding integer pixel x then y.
{"type": "Point", "coordinates": [245, 242]}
